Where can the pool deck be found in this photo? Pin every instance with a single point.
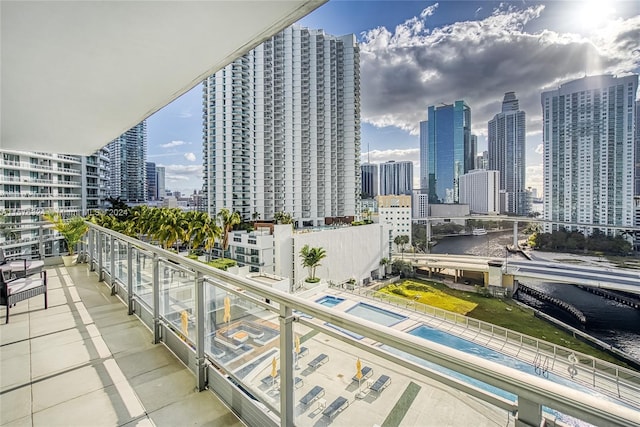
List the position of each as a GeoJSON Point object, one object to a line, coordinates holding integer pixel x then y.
{"type": "Point", "coordinates": [559, 366]}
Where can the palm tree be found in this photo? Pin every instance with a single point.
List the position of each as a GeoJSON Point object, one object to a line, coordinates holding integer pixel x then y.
{"type": "Point", "coordinates": [400, 241]}
{"type": "Point", "coordinates": [283, 218]}
{"type": "Point", "coordinates": [227, 221]}
{"type": "Point", "coordinates": [311, 258]}
{"type": "Point", "coordinates": [171, 228]}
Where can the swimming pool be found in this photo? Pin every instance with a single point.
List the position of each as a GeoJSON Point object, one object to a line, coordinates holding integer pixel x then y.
{"type": "Point", "coordinates": [329, 300]}
{"type": "Point", "coordinates": [376, 314]}
{"type": "Point", "coordinates": [469, 347]}
{"type": "Point", "coordinates": [367, 312]}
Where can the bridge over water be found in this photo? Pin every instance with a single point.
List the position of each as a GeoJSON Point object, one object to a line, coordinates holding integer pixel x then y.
{"type": "Point", "coordinates": [503, 272]}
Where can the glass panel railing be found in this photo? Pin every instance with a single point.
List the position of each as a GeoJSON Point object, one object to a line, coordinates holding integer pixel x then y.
{"type": "Point", "coordinates": [120, 255]}
{"type": "Point", "coordinates": [177, 298]}
{"type": "Point", "coordinates": [142, 287]}
{"type": "Point", "coordinates": [242, 335]}
{"type": "Point", "coordinates": [416, 355]}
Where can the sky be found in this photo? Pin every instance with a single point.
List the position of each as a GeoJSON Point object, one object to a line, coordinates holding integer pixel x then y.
{"type": "Point", "coordinates": [414, 54]}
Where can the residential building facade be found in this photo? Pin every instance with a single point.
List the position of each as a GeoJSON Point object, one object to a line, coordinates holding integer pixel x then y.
{"type": "Point", "coordinates": [588, 137]}
{"type": "Point", "coordinates": [507, 150]}
{"type": "Point", "coordinates": [480, 190]}
{"type": "Point", "coordinates": [282, 129]}
{"type": "Point", "coordinates": [34, 183]}
{"type": "Point", "coordinates": [127, 155]}
{"type": "Point", "coordinates": [396, 211]}
{"type": "Point", "coordinates": [449, 150]}
{"type": "Point", "coordinates": [396, 178]}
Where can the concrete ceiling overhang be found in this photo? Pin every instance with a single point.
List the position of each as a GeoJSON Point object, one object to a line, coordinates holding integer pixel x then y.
{"type": "Point", "coordinates": [77, 74]}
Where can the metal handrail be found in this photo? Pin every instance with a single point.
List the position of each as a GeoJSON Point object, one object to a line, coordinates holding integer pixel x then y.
{"type": "Point", "coordinates": [531, 390]}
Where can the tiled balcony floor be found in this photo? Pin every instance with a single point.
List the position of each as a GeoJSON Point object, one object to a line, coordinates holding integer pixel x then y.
{"type": "Point", "coordinates": [85, 362]}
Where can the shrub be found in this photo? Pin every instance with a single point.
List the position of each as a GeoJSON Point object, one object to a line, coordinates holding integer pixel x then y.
{"type": "Point", "coordinates": [222, 263]}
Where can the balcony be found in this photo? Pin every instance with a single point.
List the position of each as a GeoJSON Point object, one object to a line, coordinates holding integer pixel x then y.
{"type": "Point", "coordinates": [227, 331]}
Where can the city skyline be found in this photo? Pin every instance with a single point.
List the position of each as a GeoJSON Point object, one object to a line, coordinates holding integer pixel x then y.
{"type": "Point", "coordinates": [475, 51]}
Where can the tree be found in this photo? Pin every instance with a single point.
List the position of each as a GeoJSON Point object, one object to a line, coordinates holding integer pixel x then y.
{"type": "Point", "coordinates": [400, 241]}
{"type": "Point", "coordinates": [71, 229]}
{"type": "Point", "coordinates": [311, 258]}
{"type": "Point", "coordinates": [283, 218]}
{"type": "Point", "coordinates": [227, 221]}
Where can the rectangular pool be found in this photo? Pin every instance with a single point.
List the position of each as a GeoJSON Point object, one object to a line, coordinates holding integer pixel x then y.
{"type": "Point", "coordinates": [376, 314]}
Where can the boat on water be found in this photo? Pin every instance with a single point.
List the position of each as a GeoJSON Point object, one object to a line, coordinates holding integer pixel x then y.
{"type": "Point", "coordinates": [479, 232]}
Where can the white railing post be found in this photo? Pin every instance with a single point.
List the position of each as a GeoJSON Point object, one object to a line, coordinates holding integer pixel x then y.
{"type": "Point", "coordinates": [155, 280]}
{"type": "Point", "coordinates": [112, 264]}
{"type": "Point", "coordinates": [99, 249]}
{"type": "Point", "coordinates": [201, 366]}
{"type": "Point", "coordinates": [286, 367]}
{"type": "Point", "coordinates": [130, 278]}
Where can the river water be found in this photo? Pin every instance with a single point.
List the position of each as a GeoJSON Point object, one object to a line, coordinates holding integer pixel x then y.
{"type": "Point", "coordinates": [614, 323]}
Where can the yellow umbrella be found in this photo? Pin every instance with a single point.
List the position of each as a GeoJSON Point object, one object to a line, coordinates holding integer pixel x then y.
{"type": "Point", "coordinates": [184, 318]}
{"type": "Point", "coordinates": [359, 370]}
{"type": "Point", "coordinates": [297, 345]}
{"type": "Point", "coordinates": [274, 367]}
{"type": "Point", "coordinates": [227, 310]}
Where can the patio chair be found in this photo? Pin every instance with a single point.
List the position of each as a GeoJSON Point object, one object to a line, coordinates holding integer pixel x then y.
{"type": "Point", "coordinates": [303, 352]}
{"type": "Point", "coordinates": [314, 394]}
{"type": "Point", "coordinates": [337, 406]}
{"type": "Point", "coordinates": [318, 361]}
{"type": "Point", "coordinates": [366, 373]}
{"type": "Point", "coordinates": [20, 267]}
{"type": "Point", "coordinates": [16, 290]}
{"type": "Point", "coordinates": [381, 383]}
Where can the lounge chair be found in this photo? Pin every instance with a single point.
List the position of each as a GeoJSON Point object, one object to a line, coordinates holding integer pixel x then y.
{"type": "Point", "coordinates": [318, 361]}
{"type": "Point", "coordinates": [298, 382]}
{"type": "Point", "coordinates": [366, 373]}
{"type": "Point", "coordinates": [380, 384]}
{"type": "Point", "coordinates": [269, 380]}
{"type": "Point", "coordinates": [303, 352]}
{"type": "Point", "coordinates": [314, 394]}
{"type": "Point", "coordinates": [337, 406]}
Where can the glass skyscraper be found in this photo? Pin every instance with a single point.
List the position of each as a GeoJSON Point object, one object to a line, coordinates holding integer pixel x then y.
{"type": "Point", "coordinates": [448, 150]}
{"type": "Point", "coordinates": [507, 146]}
{"type": "Point", "coordinates": [396, 178]}
{"type": "Point", "coordinates": [370, 176]}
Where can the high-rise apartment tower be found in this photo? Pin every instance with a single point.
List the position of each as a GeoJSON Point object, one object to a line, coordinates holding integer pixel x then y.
{"type": "Point", "coordinates": [507, 150]}
{"type": "Point", "coordinates": [127, 155]}
{"type": "Point", "coordinates": [588, 137]}
{"type": "Point", "coordinates": [282, 129]}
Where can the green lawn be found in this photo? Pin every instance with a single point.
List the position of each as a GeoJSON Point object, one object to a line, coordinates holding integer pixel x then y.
{"type": "Point", "coordinates": [501, 312]}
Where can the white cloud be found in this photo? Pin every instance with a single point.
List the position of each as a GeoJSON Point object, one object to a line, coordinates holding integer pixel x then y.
{"type": "Point", "coordinates": [381, 156]}
{"type": "Point", "coordinates": [405, 71]}
{"type": "Point", "coordinates": [182, 173]}
{"type": "Point", "coordinates": [185, 114]}
{"type": "Point", "coordinates": [173, 144]}
{"type": "Point", "coordinates": [190, 156]}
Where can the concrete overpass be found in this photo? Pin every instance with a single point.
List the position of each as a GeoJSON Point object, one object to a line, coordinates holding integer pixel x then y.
{"type": "Point", "coordinates": [503, 272]}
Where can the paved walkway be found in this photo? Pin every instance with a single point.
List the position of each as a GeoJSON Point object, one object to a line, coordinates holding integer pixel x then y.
{"type": "Point", "coordinates": [85, 362]}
